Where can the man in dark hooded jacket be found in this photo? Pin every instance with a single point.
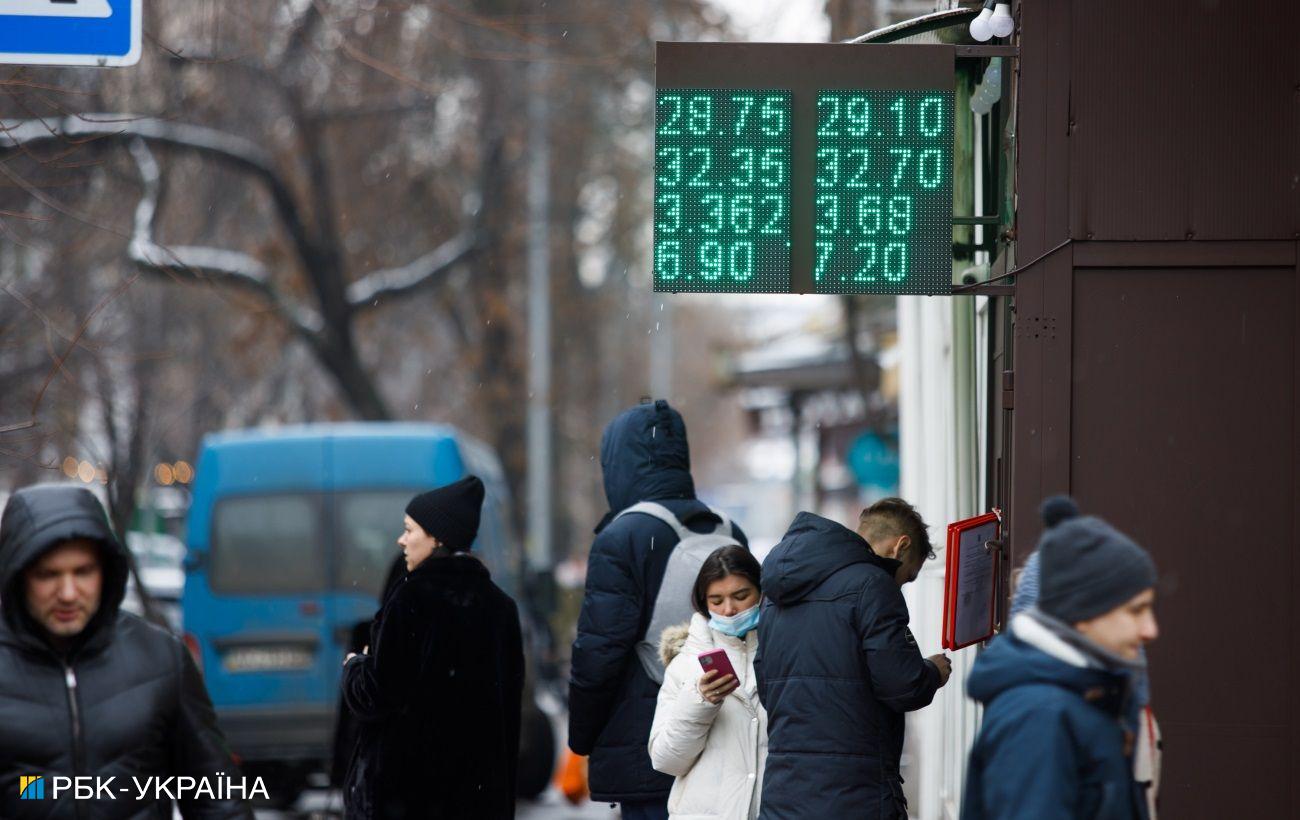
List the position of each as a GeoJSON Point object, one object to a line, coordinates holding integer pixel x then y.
{"type": "Point", "coordinates": [645, 457]}
{"type": "Point", "coordinates": [837, 666]}
{"type": "Point", "coordinates": [87, 690]}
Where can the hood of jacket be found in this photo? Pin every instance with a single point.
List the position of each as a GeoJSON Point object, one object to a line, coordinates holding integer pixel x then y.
{"type": "Point", "coordinates": [35, 520]}
{"type": "Point", "coordinates": [812, 550]}
{"type": "Point", "coordinates": [1011, 661]}
{"type": "Point", "coordinates": [644, 457]}
{"type": "Point", "coordinates": [671, 642]}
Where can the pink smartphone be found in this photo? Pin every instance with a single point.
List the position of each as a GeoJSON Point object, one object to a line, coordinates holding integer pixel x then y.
{"type": "Point", "coordinates": [717, 659]}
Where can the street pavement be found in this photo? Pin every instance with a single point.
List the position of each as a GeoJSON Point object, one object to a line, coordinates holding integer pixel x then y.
{"type": "Point", "coordinates": [326, 804]}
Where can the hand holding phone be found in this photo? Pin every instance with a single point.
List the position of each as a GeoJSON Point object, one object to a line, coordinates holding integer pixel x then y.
{"type": "Point", "coordinates": [719, 678]}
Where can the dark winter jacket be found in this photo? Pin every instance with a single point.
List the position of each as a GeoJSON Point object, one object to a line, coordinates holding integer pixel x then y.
{"type": "Point", "coordinates": [438, 699]}
{"type": "Point", "coordinates": [837, 667]}
{"type": "Point", "coordinates": [1052, 745]}
{"type": "Point", "coordinates": [125, 701]}
{"type": "Point", "coordinates": [347, 730]}
{"type": "Point", "coordinates": [645, 457]}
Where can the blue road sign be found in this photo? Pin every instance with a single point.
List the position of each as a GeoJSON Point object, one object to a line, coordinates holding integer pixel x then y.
{"type": "Point", "coordinates": [70, 32]}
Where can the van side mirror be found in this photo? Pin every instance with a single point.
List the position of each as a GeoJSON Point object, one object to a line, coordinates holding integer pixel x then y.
{"type": "Point", "coordinates": [194, 561]}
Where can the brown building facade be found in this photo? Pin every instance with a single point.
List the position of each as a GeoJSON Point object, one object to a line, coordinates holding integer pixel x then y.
{"type": "Point", "coordinates": [1155, 351]}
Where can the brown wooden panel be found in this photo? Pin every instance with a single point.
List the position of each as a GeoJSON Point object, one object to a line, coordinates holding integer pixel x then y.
{"type": "Point", "coordinates": [1042, 111]}
{"type": "Point", "coordinates": [1293, 657]}
{"type": "Point", "coordinates": [1216, 757]}
{"type": "Point", "coordinates": [1184, 254]}
{"type": "Point", "coordinates": [1184, 434]}
{"type": "Point", "coordinates": [1185, 120]}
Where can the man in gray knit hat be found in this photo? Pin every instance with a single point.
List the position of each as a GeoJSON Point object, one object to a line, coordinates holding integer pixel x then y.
{"type": "Point", "coordinates": [1057, 738]}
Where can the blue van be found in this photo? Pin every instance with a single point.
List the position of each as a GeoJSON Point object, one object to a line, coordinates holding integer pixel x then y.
{"type": "Point", "coordinates": [291, 534]}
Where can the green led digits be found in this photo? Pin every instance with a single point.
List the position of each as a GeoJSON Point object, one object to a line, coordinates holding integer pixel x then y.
{"type": "Point", "coordinates": [722, 190]}
{"type": "Point", "coordinates": [883, 192]}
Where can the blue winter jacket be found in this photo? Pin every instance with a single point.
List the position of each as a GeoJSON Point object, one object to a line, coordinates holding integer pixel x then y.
{"type": "Point", "coordinates": [837, 669]}
{"type": "Point", "coordinates": [1052, 745]}
{"type": "Point", "coordinates": [645, 457]}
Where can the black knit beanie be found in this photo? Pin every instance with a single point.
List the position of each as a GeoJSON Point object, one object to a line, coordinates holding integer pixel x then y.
{"type": "Point", "coordinates": [451, 513]}
{"type": "Point", "coordinates": [1087, 567]}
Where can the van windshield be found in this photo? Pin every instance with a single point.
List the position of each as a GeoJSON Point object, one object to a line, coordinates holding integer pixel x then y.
{"type": "Point", "coordinates": [268, 544]}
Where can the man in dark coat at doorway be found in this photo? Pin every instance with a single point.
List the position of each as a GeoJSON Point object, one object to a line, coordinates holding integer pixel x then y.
{"type": "Point", "coordinates": [645, 457]}
{"type": "Point", "coordinates": [838, 667]}
{"type": "Point", "coordinates": [89, 690]}
{"type": "Point", "coordinates": [438, 694]}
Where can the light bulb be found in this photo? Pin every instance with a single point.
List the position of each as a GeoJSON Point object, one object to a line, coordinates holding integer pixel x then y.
{"type": "Point", "coordinates": [979, 27]}
{"type": "Point", "coordinates": [1002, 23]}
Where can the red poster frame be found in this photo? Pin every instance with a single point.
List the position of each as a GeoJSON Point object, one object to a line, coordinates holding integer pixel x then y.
{"type": "Point", "coordinates": [952, 559]}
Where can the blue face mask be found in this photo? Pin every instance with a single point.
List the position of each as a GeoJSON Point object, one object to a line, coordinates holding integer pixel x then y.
{"type": "Point", "coordinates": [736, 625]}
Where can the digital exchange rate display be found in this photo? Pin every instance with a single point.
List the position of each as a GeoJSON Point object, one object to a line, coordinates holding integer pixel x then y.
{"type": "Point", "coordinates": [722, 190]}
{"type": "Point", "coordinates": [804, 168]}
{"type": "Point", "coordinates": [883, 192]}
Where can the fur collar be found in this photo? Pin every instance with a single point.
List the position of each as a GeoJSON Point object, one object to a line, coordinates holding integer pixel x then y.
{"type": "Point", "coordinates": [671, 641]}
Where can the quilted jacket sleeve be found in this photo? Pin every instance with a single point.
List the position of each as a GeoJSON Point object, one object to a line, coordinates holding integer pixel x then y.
{"type": "Point", "coordinates": [682, 722]}
{"type": "Point", "coordinates": [608, 627]}
{"type": "Point", "coordinates": [901, 679]}
{"type": "Point", "coordinates": [198, 749]}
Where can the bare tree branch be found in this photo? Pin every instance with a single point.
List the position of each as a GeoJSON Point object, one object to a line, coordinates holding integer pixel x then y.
{"type": "Point", "coordinates": [219, 145]}
{"type": "Point", "coordinates": [427, 270]}
{"type": "Point", "coordinates": [215, 265]}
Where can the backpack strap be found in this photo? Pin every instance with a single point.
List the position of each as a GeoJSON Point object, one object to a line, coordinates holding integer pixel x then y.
{"type": "Point", "coordinates": [661, 512]}
{"type": "Point", "coordinates": [723, 528]}
{"type": "Point", "coordinates": [665, 515]}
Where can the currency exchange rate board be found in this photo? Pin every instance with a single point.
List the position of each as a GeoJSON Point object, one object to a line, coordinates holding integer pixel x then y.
{"type": "Point", "coordinates": [722, 190]}
{"type": "Point", "coordinates": [883, 207]}
{"type": "Point", "coordinates": [803, 168]}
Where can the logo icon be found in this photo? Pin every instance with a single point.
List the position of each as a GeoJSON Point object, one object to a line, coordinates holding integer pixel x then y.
{"type": "Point", "coordinates": [31, 787]}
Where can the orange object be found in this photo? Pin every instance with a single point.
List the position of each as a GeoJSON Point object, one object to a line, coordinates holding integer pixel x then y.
{"type": "Point", "coordinates": [571, 779]}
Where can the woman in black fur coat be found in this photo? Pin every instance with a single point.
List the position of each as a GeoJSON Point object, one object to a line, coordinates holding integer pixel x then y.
{"type": "Point", "coordinates": [438, 694]}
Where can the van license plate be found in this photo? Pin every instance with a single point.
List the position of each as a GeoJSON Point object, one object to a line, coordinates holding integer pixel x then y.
{"type": "Point", "coordinates": [266, 659]}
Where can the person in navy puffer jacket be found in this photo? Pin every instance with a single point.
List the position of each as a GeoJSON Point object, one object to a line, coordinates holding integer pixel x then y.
{"type": "Point", "coordinates": [838, 667]}
{"type": "Point", "coordinates": [612, 694]}
{"type": "Point", "coordinates": [1056, 742]}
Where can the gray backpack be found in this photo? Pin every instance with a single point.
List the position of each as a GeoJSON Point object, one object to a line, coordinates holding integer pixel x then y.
{"type": "Point", "coordinates": [673, 603]}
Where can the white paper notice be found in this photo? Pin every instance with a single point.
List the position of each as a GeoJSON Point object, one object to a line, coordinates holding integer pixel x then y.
{"type": "Point", "coordinates": [975, 576]}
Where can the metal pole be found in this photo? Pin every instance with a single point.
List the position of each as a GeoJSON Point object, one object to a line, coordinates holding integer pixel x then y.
{"type": "Point", "coordinates": [661, 348]}
{"type": "Point", "coordinates": [539, 323]}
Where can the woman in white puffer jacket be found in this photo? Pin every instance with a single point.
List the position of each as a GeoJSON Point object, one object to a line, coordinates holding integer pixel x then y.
{"type": "Point", "coordinates": [710, 732]}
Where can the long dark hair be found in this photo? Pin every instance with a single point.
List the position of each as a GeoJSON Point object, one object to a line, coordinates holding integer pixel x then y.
{"type": "Point", "coordinates": [724, 561]}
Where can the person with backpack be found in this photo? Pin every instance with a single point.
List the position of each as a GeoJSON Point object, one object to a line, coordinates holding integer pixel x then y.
{"type": "Point", "coordinates": [710, 730]}
{"type": "Point", "coordinates": [1058, 735]}
{"type": "Point", "coordinates": [647, 553]}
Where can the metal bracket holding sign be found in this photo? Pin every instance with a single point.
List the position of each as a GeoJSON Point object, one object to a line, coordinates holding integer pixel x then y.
{"type": "Point", "coordinates": [971, 580]}
{"type": "Point", "coordinates": [803, 168]}
{"type": "Point", "coordinates": [71, 32]}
